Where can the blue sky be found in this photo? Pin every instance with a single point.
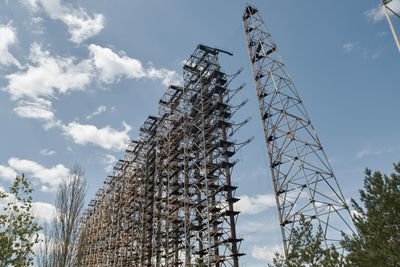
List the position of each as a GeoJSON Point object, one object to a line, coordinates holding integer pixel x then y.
{"type": "Point", "coordinates": [78, 78]}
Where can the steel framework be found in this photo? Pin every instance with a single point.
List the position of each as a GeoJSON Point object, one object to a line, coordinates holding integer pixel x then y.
{"type": "Point", "coordinates": [303, 180]}
{"type": "Point", "coordinates": [170, 200]}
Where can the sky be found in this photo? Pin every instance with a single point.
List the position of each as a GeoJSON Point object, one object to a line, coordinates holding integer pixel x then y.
{"type": "Point", "coordinates": [78, 79]}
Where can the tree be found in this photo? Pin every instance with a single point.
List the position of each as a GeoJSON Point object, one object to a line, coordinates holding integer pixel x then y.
{"type": "Point", "coordinates": [378, 223]}
{"type": "Point", "coordinates": [307, 249]}
{"type": "Point", "coordinates": [60, 245]}
{"type": "Point", "coordinates": [18, 227]}
{"type": "Point", "coordinates": [46, 255]}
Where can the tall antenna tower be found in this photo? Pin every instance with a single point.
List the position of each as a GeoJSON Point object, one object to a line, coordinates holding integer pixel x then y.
{"type": "Point", "coordinates": [303, 180]}
{"type": "Point", "coordinates": [387, 9]}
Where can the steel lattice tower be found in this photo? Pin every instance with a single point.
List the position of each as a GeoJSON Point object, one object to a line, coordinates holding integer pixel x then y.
{"type": "Point", "coordinates": [303, 180]}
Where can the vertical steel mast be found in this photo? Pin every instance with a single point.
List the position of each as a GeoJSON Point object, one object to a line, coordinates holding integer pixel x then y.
{"type": "Point", "coordinates": [303, 179]}
{"type": "Point", "coordinates": [386, 9]}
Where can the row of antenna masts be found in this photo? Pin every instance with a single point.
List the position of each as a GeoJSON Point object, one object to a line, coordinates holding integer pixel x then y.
{"type": "Point", "coordinates": [389, 11]}
{"type": "Point", "coordinates": [170, 202]}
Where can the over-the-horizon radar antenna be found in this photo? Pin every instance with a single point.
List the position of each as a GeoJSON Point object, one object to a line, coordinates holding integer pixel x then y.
{"type": "Point", "coordinates": [170, 201]}
{"type": "Point", "coordinates": [303, 179]}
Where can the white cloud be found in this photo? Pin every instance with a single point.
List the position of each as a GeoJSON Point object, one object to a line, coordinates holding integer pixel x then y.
{"type": "Point", "coordinates": [98, 111]}
{"type": "Point", "coordinates": [348, 47]}
{"type": "Point", "coordinates": [113, 67]}
{"type": "Point", "coordinates": [37, 20]}
{"type": "Point", "coordinates": [375, 55]}
{"type": "Point", "coordinates": [7, 173]}
{"type": "Point", "coordinates": [38, 108]}
{"type": "Point", "coordinates": [44, 212]}
{"type": "Point", "coordinates": [81, 25]}
{"type": "Point", "coordinates": [8, 37]}
{"type": "Point", "coordinates": [109, 160]}
{"type": "Point", "coordinates": [166, 76]}
{"type": "Point", "coordinates": [265, 252]}
{"type": "Point", "coordinates": [383, 34]}
{"type": "Point", "coordinates": [368, 151]}
{"type": "Point", "coordinates": [48, 74]}
{"type": "Point", "coordinates": [377, 14]}
{"type": "Point", "coordinates": [49, 177]}
{"type": "Point", "coordinates": [47, 152]}
{"type": "Point", "coordinates": [46, 77]}
{"type": "Point", "coordinates": [256, 204]}
{"type": "Point", "coordinates": [33, 5]}
{"type": "Point", "coordinates": [107, 137]}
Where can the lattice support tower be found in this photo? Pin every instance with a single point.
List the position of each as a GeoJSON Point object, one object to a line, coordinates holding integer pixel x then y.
{"type": "Point", "coordinates": [303, 181]}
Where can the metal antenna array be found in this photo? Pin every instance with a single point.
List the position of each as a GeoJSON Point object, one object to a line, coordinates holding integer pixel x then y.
{"type": "Point", "coordinates": [170, 201]}
{"type": "Point", "coordinates": [303, 180]}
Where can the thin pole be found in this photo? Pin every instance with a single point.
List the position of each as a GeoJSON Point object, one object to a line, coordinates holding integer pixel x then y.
{"type": "Point", "coordinates": [391, 25]}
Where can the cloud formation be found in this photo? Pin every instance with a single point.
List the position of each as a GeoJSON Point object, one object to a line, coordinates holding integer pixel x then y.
{"type": "Point", "coordinates": [98, 111]}
{"type": "Point", "coordinates": [38, 108]}
{"type": "Point", "coordinates": [368, 151]}
{"type": "Point", "coordinates": [8, 37]}
{"type": "Point", "coordinates": [43, 211]}
{"type": "Point", "coordinates": [112, 67]}
{"type": "Point", "coordinates": [81, 25]}
{"type": "Point", "coordinates": [166, 76]}
{"type": "Point", "coordinates": [265, 252]}
{"type": "Point", "coordinates": [109, 160]}
{"type": "Point", "coordinates": [106, 137]}
{"type": "Point", "coordinates": [47, 152]}
{"type": "Point", "coordinates": [256, 204]}
{"type": "Point", "coordinates": [48, 75]}
{"type": "Point", "coordinates": [7, 173]}
{"type": "Point", "coordinates": [49, 178]}
{"type": "Point", "coordinates": [348, 47]}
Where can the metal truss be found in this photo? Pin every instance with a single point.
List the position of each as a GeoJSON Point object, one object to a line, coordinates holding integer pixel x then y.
{"type": "Point", "coordinates": [170, 200]}
{"type": "Point", "coordinates": [303, 180]}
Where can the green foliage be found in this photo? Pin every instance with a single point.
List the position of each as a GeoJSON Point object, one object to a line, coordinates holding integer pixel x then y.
{"type": "Point", "coordinates": [18, 228]}
{"type": "Point", "coordinates": [307, 249]}
{"type": "Point", "coordinates": [378, 223]}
